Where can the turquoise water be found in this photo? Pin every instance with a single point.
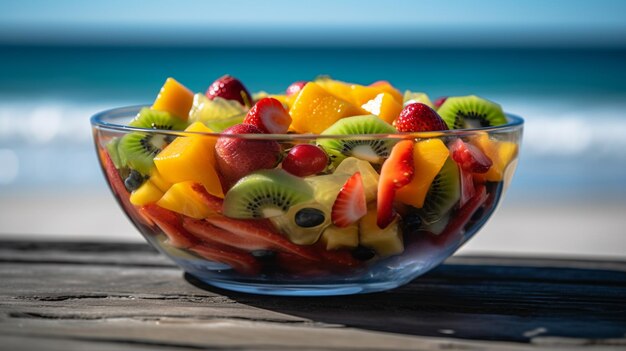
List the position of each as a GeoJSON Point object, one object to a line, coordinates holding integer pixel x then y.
{"type": "Point", "coordinates": [573, 101]}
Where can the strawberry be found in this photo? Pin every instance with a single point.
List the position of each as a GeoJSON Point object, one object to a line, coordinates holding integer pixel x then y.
{"type": "Point", "coordinates": [295, 87]}
{"type": "Point", "coordinates": [440, 101]}
{"type": "Point", "coordinates": [396, 172]}
{"type": "Point", "coordinates": [229, 88]}
{"type": "Point", "coordinates": [350, 204]}
{"type": "Point", "coordinates": [237, 157]}
{"type": "Point", "coordinates": [171, 225]}
{"type": "Point", "coordinates": [269, 115]}
{"type": "Point", "coordinates": [250, 230]}
{"type": "Point", "coordinates": [207, 232]}
{"type": "Point", "coordinates": [418, 117]}
{"type": "Point", "coordinates": [240, 261]}
{"type": "Point", "coordinates": [469, 157]}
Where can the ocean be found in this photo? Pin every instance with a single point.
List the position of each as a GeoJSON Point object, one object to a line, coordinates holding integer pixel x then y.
{"type": "Point", "coordinates": [573, 101]}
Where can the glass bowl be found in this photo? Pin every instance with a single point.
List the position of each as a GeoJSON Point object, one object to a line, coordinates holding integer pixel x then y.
{"type": "Point", "coordinates": [274, 256]}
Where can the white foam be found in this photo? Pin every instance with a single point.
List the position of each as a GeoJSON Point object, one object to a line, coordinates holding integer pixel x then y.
{"type": "Point", "coordinates": [553, 127]}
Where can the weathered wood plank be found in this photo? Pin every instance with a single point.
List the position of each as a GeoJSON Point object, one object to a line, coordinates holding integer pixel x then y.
{"type": "Point", "coordinates": [126, 296]}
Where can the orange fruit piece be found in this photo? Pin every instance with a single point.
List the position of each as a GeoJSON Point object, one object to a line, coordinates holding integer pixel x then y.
{"type": "Point", "coordinates": [174, 98]}
{"type": "Point", "coordinates": [315, 109]}
{"type": "Point", "coordinates": [384, 106]}
{"type": "Point", "coordinates": [191, 158]}
{"type": "Point", "coordinates": [428, 159]}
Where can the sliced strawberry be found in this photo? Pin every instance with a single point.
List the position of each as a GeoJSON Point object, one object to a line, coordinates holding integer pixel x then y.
{"type": "Point", "coordinates": [440, 101]}
{"type": "Point", "coordinates": [418, 117]}
{"type": "Point", "coordinates": [171, 225]}
{"type": "Point", "coordinates": [214, 203]}
{"type": "Point", "coordinates": [119, 190]}
{"type": "Point", "coordinates": [260, 235]}
{"type": "Point", "coordinates": [467, 187]}
{"type": "Point", "coordinates": [269, 115]}
{"type": "Point", "coordinates": [350, 204]}
{"type": "Point", "coordinates": [240, 261]}
{"type": "Point", "coordinates": [463, 216]}
{"type": "Point", "coordinates": [396, 172]}
{"type": "Point", "coordinates": [207, 232]}
{"type": "Point", "coordinates": [469, 157]}
{"type": "Point", "coordinates": [295, 87]}
{"type": "Point", "coordinates": [229, 88]}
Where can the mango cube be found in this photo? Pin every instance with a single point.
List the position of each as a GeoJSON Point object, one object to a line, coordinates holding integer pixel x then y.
{"type": "Point", "coordinates": [338, 88]}
{"type": "Point", "coordinates": [315, 109]}
{"type": "Point", "coordinates": [385, 86]}
{"type": "Point", "coordinates": [384, 106]}
{"type": "Point", "coordinates": [191, 158]}
{"type": "Point", "coordinates": [157, 179]}
{"type": "Point", "coordinates": [147, 193]}
{"type": "Point", "coordinates": [174, 98]}
{"type": "Point", "coordinates": [181, 198]}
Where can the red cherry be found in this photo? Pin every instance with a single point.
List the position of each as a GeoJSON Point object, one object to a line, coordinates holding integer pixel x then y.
{"type": "Point", "coordinates": [305, 160]}
{"type": "Point", "coordinates": [229, 88]}
{"type": "Point", "coordinates": [295, 87]}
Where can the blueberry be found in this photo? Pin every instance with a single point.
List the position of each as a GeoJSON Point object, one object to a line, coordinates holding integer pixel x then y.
{"type": "Point", "coordinates": [363, 253]}
{"type": "Point", "coordinates": [134, 180]}
{"type": "Point", "coordinates": [309, 217]}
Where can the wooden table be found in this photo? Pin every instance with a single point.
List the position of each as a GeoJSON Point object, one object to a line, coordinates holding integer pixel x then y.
{"type": "Point", "coordinates": [97, 296]}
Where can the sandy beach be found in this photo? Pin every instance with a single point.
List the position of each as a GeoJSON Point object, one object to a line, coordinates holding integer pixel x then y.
{"type": "Point", "coordinates": [587, 229]}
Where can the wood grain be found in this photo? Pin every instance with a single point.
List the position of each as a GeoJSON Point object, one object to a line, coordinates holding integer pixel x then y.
{"type": "Point", "coordinates": [65, 296]}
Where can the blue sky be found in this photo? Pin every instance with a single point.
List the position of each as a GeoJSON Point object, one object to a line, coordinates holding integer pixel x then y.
{"type": "Point", "coordinates": [598, 23]}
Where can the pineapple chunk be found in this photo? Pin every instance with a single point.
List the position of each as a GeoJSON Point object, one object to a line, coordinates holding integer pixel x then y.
{"type": "Point", "coordinates": [315, 109]}
{"type": "Point", "coordinates": [370, 177]}
{"type": "Point", "coordinates": [174, 98]}
{"type": "Point", "coordinates": [181, 198]}
{"type": "Point", "coordinates": [191, 158]}
{"type": "Point", "coordinates": [147, 193]}
{"type": "Point", "coordinates": [384, 106]}
{"type": "Point", "coordinates": [386, 242]}
{"type": "Point", "coordinates": [335, 238]}
{"type": "Point", "coordinates": [428, 157]}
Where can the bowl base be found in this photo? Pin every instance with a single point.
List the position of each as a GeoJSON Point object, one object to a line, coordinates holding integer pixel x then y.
{"type": "Point", "coordinates": [301, 289]}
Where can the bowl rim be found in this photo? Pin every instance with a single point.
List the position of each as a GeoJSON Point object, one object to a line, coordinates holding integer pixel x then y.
{"type": "Point", "coordinates": [98, 121]}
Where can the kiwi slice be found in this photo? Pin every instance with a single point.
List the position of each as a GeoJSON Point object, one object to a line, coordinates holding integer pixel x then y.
{"type": "Point", "coordinates": [137, 150]}
{"type": "Point", "coordinates": [443, 194]}
{"type": "Point", "coordinates": [266, 193]}
{"type": "Point", "coordinates": [372, 150]}
{"type": "Point", "coordinates": [111, 147]}
{"type": "Point", "coordinates": [463, 112]}
{"type": "Point", "coordinates": [152, 119]}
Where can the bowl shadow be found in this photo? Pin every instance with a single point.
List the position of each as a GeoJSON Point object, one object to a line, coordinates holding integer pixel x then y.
{"type": "Point", "coordinates": [471, 301]}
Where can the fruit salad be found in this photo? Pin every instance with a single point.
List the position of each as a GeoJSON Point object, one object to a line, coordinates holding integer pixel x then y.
{"type": "Point", "coordinates": [327, 179]}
